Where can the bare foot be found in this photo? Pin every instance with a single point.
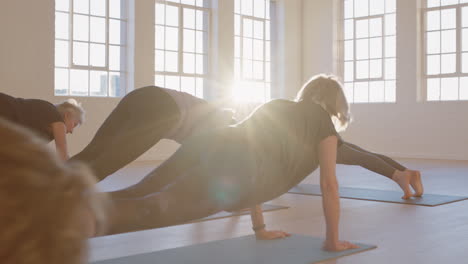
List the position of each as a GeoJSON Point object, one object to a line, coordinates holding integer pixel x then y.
{"type": "Point", "coordinates": [416, 182]}
{"type": "Point", "coordinates": [403, 179]}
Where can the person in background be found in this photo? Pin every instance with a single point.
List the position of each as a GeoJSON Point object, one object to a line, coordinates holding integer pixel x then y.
{"type": "Point", "coordinates": [51, 122]}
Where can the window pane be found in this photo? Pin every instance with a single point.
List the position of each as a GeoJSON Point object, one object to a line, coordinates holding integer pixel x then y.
{"type": "Point", "coordinates": [348, 50]}
{"type": "Point", "coordinates": [390, 6]}
{"type": "Point", "coordinates": [237, 47]}
{"type": "Point", "coordinates": [361, 92]}
{"type": "Point", "coordinates": [464, 16]}
{"type": "Point", "coordinates": [267, 72]}
{"type": "Point", "coordinates": [172, 16]}
{"type": "Point", "coordinates": [246, 7]}
{"type": "Point", "coordinates": [188, 85]}
{"type": "Point", "coordinates": [267, 30]}
{"type": "Point", "coordinates": [375, 46]}
{"type": "Point", "coordinates": [80, 53]}
{"type": "Point", "coordinates": [259, 8]}
{"type": "Point", "coordinates": [433, 42]}
{"type": "Point", "coordinates": [258, 70]}
{"type": "Point", "coordinates": [201, 42]}
{"type": "Point", "coordinates": [433, 64]}
{"type": "Point", "coordinates": [159, 37]}
{"type": "Point", "coordinates": [201, 20]}
{"type": "Point", "coordinates": [98, 29]}
{"type": "Point", "coordinates": [348, 29]}
{"type": "Point", "coordinates": [61, 53]}
{"type": "Point", "coordinates": [376, 92]}
{"type": "Point", "coordinates": [159, 60]}
{"type": "Point", "coordinates": [361, 8]}
{"type": "Point", "coordinates": [114, 58]}
{"type": "Point", "coordinates": [160, 13]}
{"type": "Point", "coordinates": [433, 3]}
{"type": "Point", "coordinates": [200, 64]}
{"type": "Point", "coordinates": [62, 5]}
{"type": "Point", "coordinates": [464, 39]}
{"type": "Point", "coordinates": [349, 92]}
{"type": "Point", "coordinates": [80, 27]}
{"type": "Point", "coordinates": [448, 63]}
{"type": "Point", "coordinates": [448, 18]}
{"type": "Point", "coordinates": [188, 2]}
{"type": "Point", "coordinates": [348, 8]}
{"type": "Point", "coordinates": [258, 50]}
{"type": "Point", "coordinates": [114, 32]}
{"type": "Point", "coordinates": [159, 80]}
{"type": "Point", "coordinates": [237, 6]}
{"type": "Point", "coordinates": [349, 72]}
{"type": "Point", "coordinates": [449, 89]}
{"type": "Point", "coordinates": [362, 49]}
{"type": "Point", "coordinates": [98, 82]}
{"type": "Point", "coordinates": [390, 46]}
{"type": "Point", "coordinates": [81, 6]}
{"type": "Point", "coordinates": [247, 28]}
{"type": "Point", "coordinates": [173, 82]}
{"type": "Point", "coordinates": [237, 69]}
{"type": "Point", "coordinates": [433, 89]}
{"type": "Point", "coordinates": [448, 2]}
{"type": "Point", "coordinates": [465, 62]}
{"type": "Point", "coordinates": [433, 20]}
{"type": "Point", "coordinates": [78, 82]}
{"type": "Point", "coordinates": [98, 7]}
{"type": "Point", "coordinates": [464, 88]}
{"type": "Point", "coordinates": [172, 38]}
{"type": "Point", "coordinates": [116, 84]}
{"type": "Point", "coordinates": [362, 69]}
{"type": "Point", "coordinates": [61, 81]}
{"type": "Point", "coordinates": [237, 25]}
{"type": "Point", "coordinates": [375, 67]}
{"type": "Point", "coordinates": [362, 28]}
{"type": "Point", "coordinates": [189, 63]}
{"type": "Point", "coordinates": [61, 25]}
{"type": "Point", "coordinates": [390, 25]}
{"type": "Point", "coordinates": [390, 69]}
{"type": "Point", "coordinates": [247, 48]}
{"type": "Point", "coordinates": [189, 18]}
{"type": "Point", "coordinates": [98, 55]}
{"type": "Point", "coordinates": [171, 62]}
{"type": "Point", "coordinates": [448, 41]}
{"type": "Point", "coordinates": [375, 27]}
{"type": "Point", "coordinates": [390, 91]}
{"type": "Point", "coordinates": [377, 7]}
{"type": "Point", "coordinates": [115, 9]}
{"type": "Point", "coordinates": [200, 87]}
{"type": "Point", "coordinates": [189, 40]}
{"type": "Point", "coordinates": [258, 29]}
{"type": "Point", "coordinates": [247, 68]}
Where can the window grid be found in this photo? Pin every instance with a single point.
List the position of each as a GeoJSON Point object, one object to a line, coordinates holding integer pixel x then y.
{"type": "Point", "coordinates": [369, 50]}
{"type": "Point", "coordinates": [445, 60]}
{"type": "Point", "coordinates": [85, 67]}
{"type": "Point", "coordinates": [182, 45]}
{"type": "Point", "coordinates": [252, 42]}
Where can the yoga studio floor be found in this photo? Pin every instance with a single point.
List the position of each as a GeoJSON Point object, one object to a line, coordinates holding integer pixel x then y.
{"type": "Point", "coordinates": [403, 233]}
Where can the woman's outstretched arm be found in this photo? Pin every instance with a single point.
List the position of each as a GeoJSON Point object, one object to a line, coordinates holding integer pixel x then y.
{"type": "Point", "coordinates": [258, 225]}
{"type": "Point", "coordinates": [330, 195]}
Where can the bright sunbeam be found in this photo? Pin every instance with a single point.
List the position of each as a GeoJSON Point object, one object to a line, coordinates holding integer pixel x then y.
{"type": "Point", "coordinates": [250, 92]}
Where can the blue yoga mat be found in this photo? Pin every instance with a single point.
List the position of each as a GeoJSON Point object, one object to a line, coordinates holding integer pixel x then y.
{"type": "Point", "coordinates": [297, 249]}
{"type": "Point", "coordinates": [379, 195]}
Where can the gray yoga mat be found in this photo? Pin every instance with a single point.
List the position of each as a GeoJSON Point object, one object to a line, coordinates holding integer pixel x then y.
{"type": "Point", "coordinates": [380, 195]}
{"type": "Point", "coordinates": [224, 214]}
{"type": "Point", "coordinates": [296, 249]}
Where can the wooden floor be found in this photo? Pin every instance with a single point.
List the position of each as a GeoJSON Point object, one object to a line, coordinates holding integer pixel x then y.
{"type": "Point", "coordinates": [403, 233]}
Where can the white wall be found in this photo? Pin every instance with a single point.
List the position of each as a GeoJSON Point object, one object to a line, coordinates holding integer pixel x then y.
{"type": "Point", "coordinates": [408, 128]}
{"type": "Point", "coordinates": [27, 58]}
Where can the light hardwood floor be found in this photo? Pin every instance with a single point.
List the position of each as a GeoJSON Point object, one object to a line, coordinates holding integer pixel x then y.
{"type": "Point", "coordinates": [403, 233]}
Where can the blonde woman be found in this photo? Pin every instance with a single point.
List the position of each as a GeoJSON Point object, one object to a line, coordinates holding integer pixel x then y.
{"type": "Point", "coordinates": [240, 166]}
{"type": "Point", "coordinates": [49, 209]}
{"type": "Point", "coordinates": [51, 122]}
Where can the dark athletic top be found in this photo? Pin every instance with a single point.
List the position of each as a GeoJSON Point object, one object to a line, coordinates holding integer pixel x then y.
{"type": "Point", "coordinates": [34, 114]}
{"type": "Point", "coordinates": [268, 153]}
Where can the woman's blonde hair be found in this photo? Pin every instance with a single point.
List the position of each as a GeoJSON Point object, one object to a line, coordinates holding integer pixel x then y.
{"type": "Point", "coordinates": [41, 198]}
{"type": "Point", "coordinates": [327, 91]}
{"type": "Point", "coordinates": [72, 106]}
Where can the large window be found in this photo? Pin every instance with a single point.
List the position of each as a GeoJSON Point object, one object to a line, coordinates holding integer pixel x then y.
{"type": "Point", "coordinates": [182, 45]}
{"type": "Point", "coordinates": [90, 45]}
{"type": "Point", "coordinates": [369, 50]}
{"type": "Point", "coordinates": [252, 60]}
{"type": "Point", "coordinates": [446, 50]}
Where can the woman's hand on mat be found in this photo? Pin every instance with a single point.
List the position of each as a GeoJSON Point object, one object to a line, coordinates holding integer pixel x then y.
{"type": "Point", "coordinates": [269, 235]}
{"type": "Point", "coordinates": [338, 246]}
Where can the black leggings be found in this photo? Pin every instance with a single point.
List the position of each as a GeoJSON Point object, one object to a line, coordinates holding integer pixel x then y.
{"type": "Point", "coordinates": [350, 154]}
{"type": "Point", "coordinates": [140, 120]}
